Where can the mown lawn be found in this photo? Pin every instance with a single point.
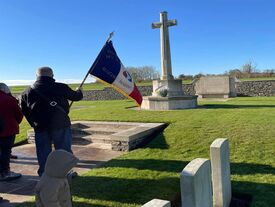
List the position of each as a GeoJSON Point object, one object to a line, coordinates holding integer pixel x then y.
{"type": "Point", "coordinates": [153, 171]}
{"type": "Point", "coordinates": [86, 86]}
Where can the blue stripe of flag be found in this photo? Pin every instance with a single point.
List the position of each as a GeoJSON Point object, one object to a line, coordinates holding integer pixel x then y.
{"type": "Point", "coordinates": [107, 64]}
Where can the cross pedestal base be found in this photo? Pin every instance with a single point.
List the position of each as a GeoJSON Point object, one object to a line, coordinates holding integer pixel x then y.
{"type": "Point", "coordinates": [169, 103]}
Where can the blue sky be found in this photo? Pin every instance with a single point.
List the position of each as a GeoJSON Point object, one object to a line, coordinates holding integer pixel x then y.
{"type": "Point", "coordinates": [212, 36]}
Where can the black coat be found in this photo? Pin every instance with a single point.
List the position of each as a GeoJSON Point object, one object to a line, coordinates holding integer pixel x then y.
{"type": "Point", "coordinates": [40, 115]}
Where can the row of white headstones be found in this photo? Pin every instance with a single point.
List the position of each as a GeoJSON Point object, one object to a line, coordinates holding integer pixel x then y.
{"type": "Point", "coordinates": [197, 187]}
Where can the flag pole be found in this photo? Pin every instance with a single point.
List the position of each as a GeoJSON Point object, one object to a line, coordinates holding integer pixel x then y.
{"type": "Point", "coordinates": [92, 67]}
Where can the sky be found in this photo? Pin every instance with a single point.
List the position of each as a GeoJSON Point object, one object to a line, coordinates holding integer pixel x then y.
{"type": "Point", "coordinates": [212, 36]}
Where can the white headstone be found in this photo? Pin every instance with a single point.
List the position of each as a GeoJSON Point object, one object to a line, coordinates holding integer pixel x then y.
{"type": "Point", "coordinates": [157, 203]}
{"type": "Point", "coordinates": [219, 152]}
{"type": "Point", "coordinates": [195, 184]}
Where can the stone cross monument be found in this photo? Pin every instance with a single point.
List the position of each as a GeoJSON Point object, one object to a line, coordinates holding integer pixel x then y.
{"type": "Point", "coordinates": [167, 92]}
{"type": "Point", "coordinates": [164, 23]}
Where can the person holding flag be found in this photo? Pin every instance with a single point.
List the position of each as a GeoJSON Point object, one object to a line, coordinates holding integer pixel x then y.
{"type": "Point", "coordinates": [45, 106]}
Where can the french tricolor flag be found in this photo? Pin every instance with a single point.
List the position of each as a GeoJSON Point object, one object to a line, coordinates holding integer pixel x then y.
{"type": "Point", "coordinates": [108, 68]}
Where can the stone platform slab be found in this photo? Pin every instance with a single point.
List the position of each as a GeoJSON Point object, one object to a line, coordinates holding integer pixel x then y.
{"type": "Point", "coordinates": [22, 189]}
{"type": "Point", "coordinates": [117, 136]}
{"type": "Point", "coordinates": [169, 103]}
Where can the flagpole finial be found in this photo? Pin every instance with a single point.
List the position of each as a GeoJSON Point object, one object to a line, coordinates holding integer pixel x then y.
{"type": "Point", "coordinates": [110, 36]}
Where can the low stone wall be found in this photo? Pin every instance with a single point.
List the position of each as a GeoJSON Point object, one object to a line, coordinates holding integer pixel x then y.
{"type": "Point", "coordinates": [256, 88]}
{"type": "Point", "coordinates": [244, 88]}
{"type": "Point", "coordinates": [111, 94]}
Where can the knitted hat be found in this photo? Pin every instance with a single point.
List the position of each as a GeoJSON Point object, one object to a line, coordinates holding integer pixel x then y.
{"type": "Point", "coordinates": [4, 88]}
{"type": "Point", "coordinates": [44, 71]}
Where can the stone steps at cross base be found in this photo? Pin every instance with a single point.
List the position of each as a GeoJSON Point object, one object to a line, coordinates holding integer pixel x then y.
{"type": "Point", "coordinates": [94, 130]}
{"type": "Point", "coordinates": [95, 138]}
{"type": "Point", "coordinates": [101, 146]}
{"type": "Point", "coordinates": [111, 125]}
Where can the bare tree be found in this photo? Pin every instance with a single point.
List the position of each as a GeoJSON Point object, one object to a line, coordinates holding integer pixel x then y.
{"type": "Point", "coordinates": [235, 73]}
{"type": "Point", "coordinates": [249, 68]}
{"type": "Point", "coordinates": [143, 73]}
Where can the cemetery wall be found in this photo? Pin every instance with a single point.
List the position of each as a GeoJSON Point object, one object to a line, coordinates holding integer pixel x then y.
{"type": "Point", "coordinates": [111, 94]}
{"type": "Point", "coordinates": [256, 88]}
{"type": "Point", "coordinates": [244, 88]}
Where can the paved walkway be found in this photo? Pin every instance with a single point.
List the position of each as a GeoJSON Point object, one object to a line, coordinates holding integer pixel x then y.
{"type": "Point", "coordinates": [21, 190]}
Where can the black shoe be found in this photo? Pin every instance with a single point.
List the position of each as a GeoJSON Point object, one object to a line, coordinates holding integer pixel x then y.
{"type": "Point", "coordinates": [8, 176]}
{"type": "Point", "coordinates": [72, 174]}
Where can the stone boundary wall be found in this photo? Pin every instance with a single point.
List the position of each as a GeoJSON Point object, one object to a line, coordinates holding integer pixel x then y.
{"type": "Point", "coordinates": [256, 88]}
{"type": "Point", "coordinates": [111, 94]}
{"type": "Point", "coordinates": [244, 88]}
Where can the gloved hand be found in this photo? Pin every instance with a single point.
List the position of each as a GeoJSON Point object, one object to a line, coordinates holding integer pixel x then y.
{"type": "Point", "coordinates": [79, 89]}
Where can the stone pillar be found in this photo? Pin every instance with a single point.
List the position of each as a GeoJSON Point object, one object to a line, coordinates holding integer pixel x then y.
{"type": "Point", "coordinates": [195, 183]}
{"type": "Point", "coordinates": [219, 152]}
{"type": "Point", "coordinates": [166, 66]}
{"type": "Point", "coordinates": [157, 203]}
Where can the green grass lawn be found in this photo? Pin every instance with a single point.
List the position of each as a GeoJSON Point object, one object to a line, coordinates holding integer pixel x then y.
{"type": "Point", "coordinates": [153, 171]}
{"type": "Point", "coordinates": [86, 86]}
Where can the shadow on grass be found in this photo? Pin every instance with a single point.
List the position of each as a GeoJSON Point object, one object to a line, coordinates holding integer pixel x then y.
{"type": "Point", "coordinates": [75, 204]}
{"type": "Point", "coordinates": [177, 166]}
{"type": "Point", "coordinates": [157, 141]}
{"type": "Point", "coordinates": [232, 106]}
{"type": "Point", "coordinates": [248, 169]}
{"type": "Point", "coordinates": [244, 193]}
{"type": "Point", "coordinates": [82, 204]}
{"type": "Point", "coordinates": [25, 204]}
{"type": "Point", "coordinates": [149, 164]}
{"type": "Point", "coordinates": [258, 194]}
{"type": "Point", "coordinates": [140, 191]}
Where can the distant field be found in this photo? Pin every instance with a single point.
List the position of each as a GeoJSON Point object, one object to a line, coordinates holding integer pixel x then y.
{"type": "Point", "coordinates": [87, 86]}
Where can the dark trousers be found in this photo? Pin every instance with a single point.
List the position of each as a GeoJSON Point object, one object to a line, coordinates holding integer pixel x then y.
{"type": "Point", "coordinates": [6, 144]}
{"type": "Point", "coordinates": [61, 138]}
